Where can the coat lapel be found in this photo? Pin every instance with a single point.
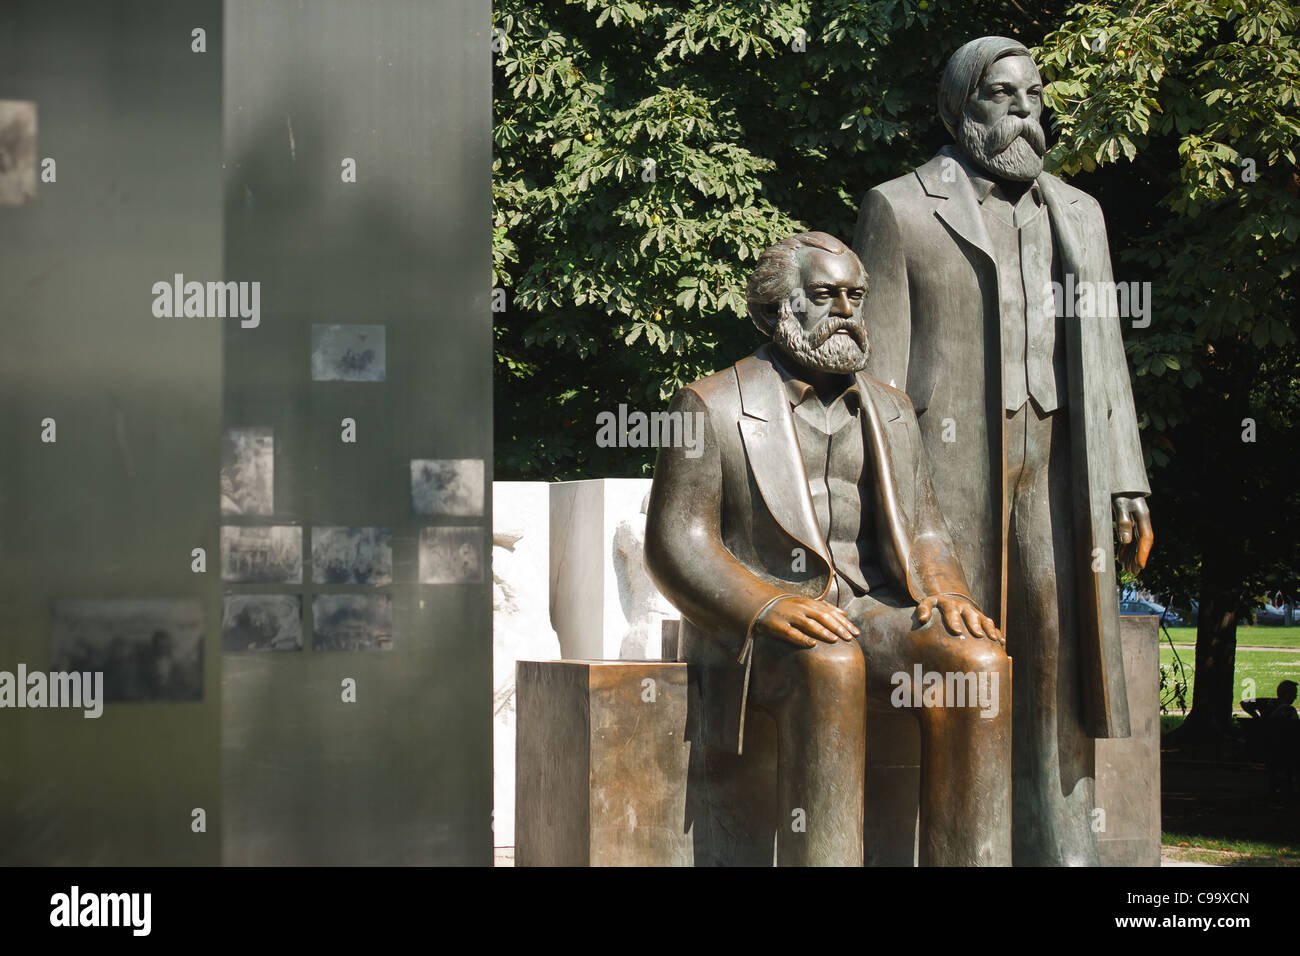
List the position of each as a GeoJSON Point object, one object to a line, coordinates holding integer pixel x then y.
{"type": "Point", "coordinates": [945, 181]}
{"type": "Point", "coordinates": [1069, 237]}
{"type": "Point", "coordinates": [879, 421]}
{"type": "Point", "coordinates": [767, 428]}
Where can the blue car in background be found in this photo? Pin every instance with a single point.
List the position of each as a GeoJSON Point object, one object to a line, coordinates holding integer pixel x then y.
{"type": "Point", "coordinates": [1170, 617]}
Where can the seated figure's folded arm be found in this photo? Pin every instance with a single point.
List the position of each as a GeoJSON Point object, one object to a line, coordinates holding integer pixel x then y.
{"type": "Point", "coordinates": [684, 548]}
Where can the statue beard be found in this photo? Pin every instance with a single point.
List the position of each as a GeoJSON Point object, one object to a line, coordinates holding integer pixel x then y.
{"type": "Point", "coordinates": [821, 349]}
{"type": "Point", "coordinates": [1012, 148]}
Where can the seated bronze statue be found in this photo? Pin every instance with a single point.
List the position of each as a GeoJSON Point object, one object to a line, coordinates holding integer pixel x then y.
{"type": "Point", "coordinates": [806, 552]}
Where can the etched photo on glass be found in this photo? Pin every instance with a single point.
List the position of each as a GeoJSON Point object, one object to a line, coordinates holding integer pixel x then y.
{"type": "Point", "coordinates": [451, 555]}
{"type": "Point", "coordinates": [348, 353]}
{"type": "Point", "coordinates": [352, 622]}
{"type": "Point", "coordinates": [261, 622]}
{"type": "Point", "coordinates": [148, 649]}
{"type": "Point", "coordinates": [261, 555]}
{"type": "Point", "coordinates": [352, 556]}
{"type": "Point", "coordinates": [451, 486]}
{"type": "Point", "coordinates": [247, 471]}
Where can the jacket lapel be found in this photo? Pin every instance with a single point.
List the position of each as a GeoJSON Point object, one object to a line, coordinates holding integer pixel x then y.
{"type": "Point", "coordinates": [767, 428]}
{"type": "Point", "coordinates": [880, 414]}
{"type": "Point", "coordinates": [1069, 238]}
{"type": "Point", "coordinates": [945, 181]}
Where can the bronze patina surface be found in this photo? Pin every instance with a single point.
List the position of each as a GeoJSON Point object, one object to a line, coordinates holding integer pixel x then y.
{"type": "Point", "coordinates": [979, 261]}
{"type": "Point", "coordinates": [806, 551]}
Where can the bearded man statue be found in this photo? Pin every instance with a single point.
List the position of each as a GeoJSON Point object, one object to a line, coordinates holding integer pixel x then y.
{"type": "Point", "coordinates": [981, 265]}
{"type": "Point", "coordinates": [807, 555]}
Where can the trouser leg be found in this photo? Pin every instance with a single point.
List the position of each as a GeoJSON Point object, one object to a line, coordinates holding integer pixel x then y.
{"type": "Point", "coordinates": [1053, 757]}
{"type": "Point", "coordinates": [965, 741]}
{"type": "Point", "coordinates": [818, 698]}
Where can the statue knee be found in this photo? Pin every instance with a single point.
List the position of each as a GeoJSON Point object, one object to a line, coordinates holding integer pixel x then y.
{"type": "Point", "coordinates": [976, 655]}
{"type": "Point", "coordinates": [943, 650]}
{"type": "Point", "coordinates": [829, 665]}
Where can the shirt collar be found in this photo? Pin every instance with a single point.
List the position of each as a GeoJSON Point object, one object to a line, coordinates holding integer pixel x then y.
{"type": "Point", "coordinates": [798, 391]}
{"type": "Point", "coordinates": [984, 184]}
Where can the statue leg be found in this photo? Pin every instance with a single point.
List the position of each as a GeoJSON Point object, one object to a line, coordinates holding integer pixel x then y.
{"type": "Point", "coordinates": [818, 698]}
{"type": "Point", "coordinates": [1053, 760]}
{"type": "Point", "coordinates": [965, 729]}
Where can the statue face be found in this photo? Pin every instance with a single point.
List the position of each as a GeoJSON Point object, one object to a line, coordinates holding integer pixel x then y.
{"type": "Point", "coordinates": [1000, 128]}
{"type": "Point", "coordinates": [822, 329]}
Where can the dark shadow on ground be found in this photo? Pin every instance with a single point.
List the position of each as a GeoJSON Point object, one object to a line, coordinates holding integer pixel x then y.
{"type": "Point", "coordinates": [1226, 795]}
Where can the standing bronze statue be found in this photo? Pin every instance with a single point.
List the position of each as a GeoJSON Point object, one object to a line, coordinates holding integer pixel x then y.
{"type": "Point", "coordinates": [806, 553]}
{"type": "Point", "coordinates": [1027, 415]}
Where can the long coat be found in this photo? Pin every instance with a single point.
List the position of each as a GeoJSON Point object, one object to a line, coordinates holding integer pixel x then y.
{"type": "Point", "coordinates": [734, 528]}
{"type": "Point", "coordinates": [932, 311]}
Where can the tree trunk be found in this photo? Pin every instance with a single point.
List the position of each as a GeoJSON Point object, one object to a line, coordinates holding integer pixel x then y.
{"type": "Point", "coordinates": [1209, 723]}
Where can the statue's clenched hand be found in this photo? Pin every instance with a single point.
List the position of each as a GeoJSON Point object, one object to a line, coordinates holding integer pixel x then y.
{"type": "Point", "coordinates": [960, 616]}
{"type": "Point", "coordinates": [1133, 522]}
{"type": "Point", "coordinates": [804, 621]}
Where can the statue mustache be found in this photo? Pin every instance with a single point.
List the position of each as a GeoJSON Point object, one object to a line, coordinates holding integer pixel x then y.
{"type": "Point", "coordinates": [1007, 130]}
{"type": "Point", "coordinates": [828, 327]}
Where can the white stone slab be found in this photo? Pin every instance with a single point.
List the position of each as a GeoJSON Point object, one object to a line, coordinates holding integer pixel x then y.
{"type": "Point", "coordinates": [604, 604]}
{"type": "Point", "coordinates": [521, 627]}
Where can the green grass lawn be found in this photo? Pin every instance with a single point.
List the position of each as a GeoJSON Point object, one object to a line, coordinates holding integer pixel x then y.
{"type": "Point", "coordinates": [1261, 636]}
{"type": "Point", "coordinates": [1196, 848]}
{"type": "Point", "coordinates": [1221, 811]}
{"type": "Point", "coordinates": [1266, 668]}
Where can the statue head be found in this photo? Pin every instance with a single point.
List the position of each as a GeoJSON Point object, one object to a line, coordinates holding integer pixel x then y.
{"type": "Point", "coordinates": [991, 100]}
{"type": "Point", "coordinates": [806, 293]}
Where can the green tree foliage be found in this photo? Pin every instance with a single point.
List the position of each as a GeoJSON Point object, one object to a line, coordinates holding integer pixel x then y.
{"type": "Point", "coordinates": [761, 118]}
{"type": "Point", "coordinates": [1189, 113]}
{"type": "Point", "coordinates": [767, 116]}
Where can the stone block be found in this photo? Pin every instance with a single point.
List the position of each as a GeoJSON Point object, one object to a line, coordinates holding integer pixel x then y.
{"type": "Point", "coordinates": [1128, 769]}
{"type": "Point", "coordinates": [605, 781]}
{"type": "Point", "coordinates": [602, 764]}
{"type": "Point", "coordinates": [604, 605]}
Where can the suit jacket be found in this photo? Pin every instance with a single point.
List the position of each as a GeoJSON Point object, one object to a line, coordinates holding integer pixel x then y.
{"type": "Point", "coordinates": [933, 315]}
{"type": "Point", "coordinates": [733, 529]}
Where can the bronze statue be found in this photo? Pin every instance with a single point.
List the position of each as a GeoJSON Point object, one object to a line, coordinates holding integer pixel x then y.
{"type": "Point", "coordinates": [1026, 412]}
{"type": "Point", "coordinates": [806, 553]}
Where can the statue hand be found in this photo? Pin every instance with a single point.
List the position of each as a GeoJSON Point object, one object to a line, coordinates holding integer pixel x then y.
{"type": "Point", "coordinates": [960, 616]}
{"type": "Point", "coordinates": [805, 621]}
{"type": "Point", "coordinates": [1133, 551]}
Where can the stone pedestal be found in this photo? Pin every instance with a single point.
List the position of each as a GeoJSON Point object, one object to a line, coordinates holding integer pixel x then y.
{"type": "Point", "coordinates": [601, 764]}
{"type": "Point", "coordinates": [1128, 769]}
{"type": "Point", "coordinates": [604, 604]}
{"type": "Point", "coordinates": [607, 776]}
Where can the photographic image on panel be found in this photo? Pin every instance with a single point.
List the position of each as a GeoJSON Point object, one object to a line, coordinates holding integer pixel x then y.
{"type": "Point", "coordinates": [348, 353]}
{"type": "Point", "coordinates": [261, 622]}
{"type": "Point", "coordinates": [451, 555]}
{"type": "Point", "coordinates": [147, 648]}
{"type": "Point", "coordinates": [247, 471]}
{"type": "Point", "coordinates": [352, 556]}
{"type": "Point", "coordinates": [449, 486]}
{"type": "Point", "coordinates": [261, 555]}
{"type": "Point", "coordinates": [352, 622]}
{"type": "Point", "coordinates": [17, 152]}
